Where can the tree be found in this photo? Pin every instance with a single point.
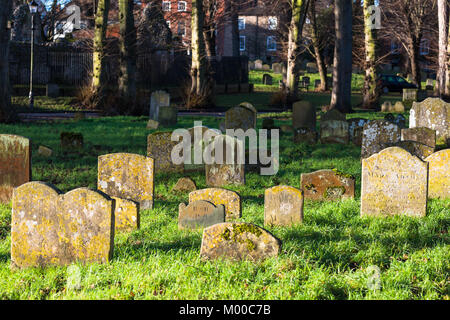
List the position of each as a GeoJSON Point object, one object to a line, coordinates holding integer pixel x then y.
{"type": "Point", "coordinates": [127, 79]}
{"type": "Point", "coordinates": [6, 112]}
{"type": "Point", "coordinates": [442, 73]}
{"type": "Point", "coordinates": [198, 67]}
{"type": "Point", "coordinates": [342, 71]}
{"type": "Point", "coordinates": [299, 10]}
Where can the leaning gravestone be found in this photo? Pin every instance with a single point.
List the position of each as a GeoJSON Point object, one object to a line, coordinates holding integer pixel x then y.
{"type": "Point", "coordinates": [399, 107]}
{"type": "Point", "coordinates": [127, 176]}
{"type": "Point", "coordinates": [15, 164]}
{"type": "Point", "coordinates": [327, 185]}
{"type": "Point", "coordinates": [386, 106]}
{"type": "Point", "coordinates": [416, 148]}
{"type": "Point", "coordinates": [230, 199]}
{"type": "Point", "coordinates": [240, 117]}
{"type": "Point", "coordinates": [439, 174]}
{"type": "Point", "coordinates": [355, 129]}
{"type": "Point", "coordinates": [158, 99]}
{"type": "Point", "coordinates": [423, 135]}
{"type": "Point", "coordinates": [126, 214]}
{"type": "Point", "coordinates": [377, 135]}
{"type": "Point", "coordinates": [283, 206]}
{"type": "Point", "coordinates": [185, 184]}
{"type": "Point", "coordinates": [228, 168]}
{"type": "Point", "coordinates": [238, 241]}
{"type": "Point", "coordinates": [334, 131]}
{"type": "Point", "coordinates": [159, 147]}
{"type": "Point", "coordinates": [303, 115]}
{"type": "Point", "coordinates": [167, 115]}
{"type": "Point", "coordinates": [200, 214]}
{"type": "Point", "coordinates": [61, 230]}
{"type": "Point", "coordinates": [432, 113]}
{"type": "Point", "coordinates": [394, 182]}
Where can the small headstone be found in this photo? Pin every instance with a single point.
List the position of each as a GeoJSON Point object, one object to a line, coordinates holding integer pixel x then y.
{"type": "Point", "coordinates": [386, 106]}
{"type": "Point", "coordinates": [45, 151]}
{"type": "Point", "coordinates": [334, 131]}
{"type": "Point", "coordinates": [158, 99]}
{"type": "Point", "coordinates": [185, 184]}
{"type": "Point", "coordinates": [167, 115]}
{"type": "Point", "coordinates": [230, 199]}
{"type": "Point", "coordinates": [432, 113]}
{"type": "Point", "coordinates": [355, 129]}
{"type": "Point", "coordinates": [283, 206]}
{"type": "Point", "coordinates": [399, 107]}
{"type": "Point", "coordinates": [439, 174]}
{"type": "Point", "coordinates": [240, 117]}
{"type": "Point", "coordinates": [303, 115]}
{"type": "Point", "coordinates": [429, 84]}
{"type": "Point", "coordinates": [333, 114]}
{"type": "Point", "coordinates": [127, 176]}
{"type": "Point", "coordinates": [305, 135]}
{"type": "Point", "coordinates": [410, 94]}
{"type": "Point", "coordinates": [152, 124]}
{"type": "Point", "coordinates": [15, 164]}
{"type": "Point", "coordinates": [52, 90]}
{"type": "Point", "coordinates": [126, 215]}
{"type": "Point", "coordinates": [71, 141]}
{"type": "Point", "coordinates": [238, 241]}
{"type": "Point", "coordinates": [265, 67]}
{"type": "Point", "coordinates": [423, 135]}
{"type": "Point", "coordinates": [317, 84]}
{"type": "Point", "coordinates": [200, 214]}
{"type": "Point", "coordinates": [159, 148]}
{"type": "Point", "coordinates": [258, 64]}
{"type": "Point", "coordinates": [267, 79]}
{"type": "Point", "coordinates": [377, 135]}
{"type": "Point", "coordinates": [277, 68]}
{"type": "Point", "coordinates": [327, 185]}
{"type": "Point", "coordinates": [251, 65]}
{"type": "Point", "coordinates": [394, 182]}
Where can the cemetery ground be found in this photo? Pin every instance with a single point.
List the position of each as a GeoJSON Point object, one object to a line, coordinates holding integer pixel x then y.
{"type": "Point", "coordinates": [329, 256]}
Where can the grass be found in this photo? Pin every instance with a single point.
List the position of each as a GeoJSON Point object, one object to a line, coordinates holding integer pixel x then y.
{"type": "Point", "coordinates": [328, 256]}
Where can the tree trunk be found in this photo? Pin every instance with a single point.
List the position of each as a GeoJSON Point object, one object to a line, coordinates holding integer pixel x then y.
{"type": "Point", "coordinates": [198, 68]}
{"type": "Point", "coordinates": [320, 61]}
{"type": "Point", "coordinates": [414, 49]}
{"type": "Point", "coordinates": [299, 9]}
{"type": "Point", "coordinates": [443, 38]}
{"type": "Point", "coordinates": [342, 71]}
{"type": "Point", "coordinates": [98, 63]}
{"type": "Point", "coordinates": [371, 97]}
{"type": "Point", "coordinates": [234, 30]}
{"type": "Point", "coordinates": [6, 112]}
{"type": "Point", "coordinates": [127, 80]}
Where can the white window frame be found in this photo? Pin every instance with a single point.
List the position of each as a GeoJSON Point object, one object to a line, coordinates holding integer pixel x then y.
{"type": "Point", "coordinates": [241, 23]}
{"type": "Point", "coordinates": [166, 6]}
{"type": "Point", "coordinates": [271, 40]}
{"type": "Point", "coordinates": [270, 23]}
{"type": "Point", "coordinates": [241, 41]}
{"type": "Point", "coordinates": [185, 6]}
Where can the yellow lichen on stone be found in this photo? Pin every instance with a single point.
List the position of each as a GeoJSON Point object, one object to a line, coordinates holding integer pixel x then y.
{"type": "Point", "coordinates": [439, 174]}
{"type": "Point", "coordinates": [283, 205]}
{"type": "Point", "coordinates": [230, 199]}
{"type": "Point", "coordinates": [126, 215]}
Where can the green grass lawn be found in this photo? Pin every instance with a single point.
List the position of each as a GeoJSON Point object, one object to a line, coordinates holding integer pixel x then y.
{"type": "Point", "coordinates": [329, 256]}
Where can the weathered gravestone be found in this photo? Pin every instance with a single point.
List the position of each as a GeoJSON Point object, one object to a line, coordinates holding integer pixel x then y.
{"type": "Point", "coordinates": [71, 141]}
{"type": "Point", "coordinates": [127, 176]}
{"type": "Point", "coordinates": [15, 164]}
{"type": "Point", "coordinates": [386, 106]}
{"type": "Point", "coordinates": [167, 115]}
{"type": "Point", "coordinates": [377, 135]}
{"type": "Point", "coordinates": [265, 67]}
{"type": "Point", "coordinates": [303, 115]}
{"type": "Point", "coordinates": [305, 135]}
{"type": "Point", "coordinates": [429, 84]}
{"type": "Point", "coordinates": [251, 65]}
{"type": "Point", "coordinates": [267, 79]}
{"type": "Point", "coordinates": [258, 64]}
{"type": "Point", "coordinates": [126, 214]}
{"type": "Point", "coordinates": [200, 214]}
{"type": "Point", "coordinates": [185, 184]}
{"type": "Point", "coordinates": [410, 94]}
{"type": "Point", "coordinates": [355, 129]}
{"type": "Point", "coordinates": [238, 241]}
{"type": "Point", "coordinates": [240, 117]}
{"type": "Point", "coordinates": [439, 174]}
{"type": "Point", "coordinates": [416, 148]}
{"type": "Point", "coordinates": [230, 199]}
{"type": "Point", "coordinates": [152, 124]}
{"type": "Point", "coordinates": [52, 90]}
{"type": "Point", "coordinates": [277, 68]}
{"type": "Point", "coordinates": [327, 185]}
{"type": "Point", "coordinates": [45, 151]}
{"type": "Point", "coordinates": [283, 206]}
{"type": "Point", "coordinates": [333, 114]}
{"type": "Point", "coordinates": [423, 135]}
{"type": "Point", "coordinates": [334, 131]}
{"type": "Point", "coordinates": [432, 113]}
{"type": "Point", "coordinates": [227, 163]}
{"type": "Point", "coordinates": [394, 182]}
{"type": "Point", "coordinates": [399, 107]}
{"type": "Point", "coordinates": [50, 228]}
{"type": "Point", "coordinates": [158, 99]}
{"type": "Point", "coordinates": [159, 147]}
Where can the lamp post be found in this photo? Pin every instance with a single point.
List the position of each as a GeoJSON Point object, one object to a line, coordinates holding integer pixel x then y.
{"type": "Point", "coordinates": [33, 9]}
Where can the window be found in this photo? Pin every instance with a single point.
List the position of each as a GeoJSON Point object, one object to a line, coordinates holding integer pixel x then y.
{"type": "Point", "coordinates": [181, 29]}
{"type": "Point", "coordinates": [425, 47]}
{"type": "Point", "coordinates": [241, 23]}
{"type": "Point", "coordinates": [271, 43]}
{"type": "Point", "coordinates": [168, 23]}
{"type": "Point", "coordinates": [272, 23]}
{"type": "Point", "coordinates": [242, 43]}
{"type": "Point", "coordinates": [166, 6]}
{"type": "Point", "coordinates": [181, 6]}
{"type": "Point", "coordinates": [394, 45]}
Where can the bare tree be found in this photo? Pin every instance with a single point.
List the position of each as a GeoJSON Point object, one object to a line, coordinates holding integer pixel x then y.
{"type": "Point", "coordinates": [6, 112]}
{"type": "Point", "coordinates": [442, 73]}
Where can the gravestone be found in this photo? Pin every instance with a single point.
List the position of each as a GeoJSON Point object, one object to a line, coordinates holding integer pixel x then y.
{"type": "Point", "coordinates": [217, 196]}
{"type": "Point", "coordinates": [238, 241]}
{"type": "Point", "coordinates": [311, 67]}
{"type": "Point", "coordinates": [221, 172]}
{"type": "Point", "coordinates": [152, 124]}
{"type": "Point", "coordinates": [327, 185]}
{"type": "Point", "coordinates": [399, 107]}
{"type": "Point", "coordinates": [267, 79]}
{"type": "Point", "coordinates": [333, 114]}
{"type": "Point", "coordinates": [416, 148]}
{"type": "Point", "coordinates": [432, 113]}
{"type": "Point", "coordinates": [200, 214]}
{"type": "Point", "coordinates": [52, 90]}
{"type": "Point", "coordinates": [45, 151]}
{"type": "Point", "coordinates": [127, 176]}
{"type": "Point", "coordinates": [355, 129]}
{"type": "Point", "coordinates": [158, 99]}
{"type": "Point", "coordinates": [334, 131]}
{"type": "Point", "coordinates": [386, 106]}
{"type": "Point", "coordinates": [439, 174]}
{"type": "Point", "coordinates": [240, 117]}
{"type": "Point", "coordinates": [251, 65]}
{"type": "Point", "coordinates": [185, 184]}
{"type": "Point", "coordinates": [61, 230]}
{"type": "Point", "coordinates": [167, 115]}
{"type": "Point", "coordinates": [159, 148]}
{"type": "Point", "coordinates": [423, 135]}
{"type": "Point", "coordinates": [429, 84]}
{"type": "Point", "coordinates": [394, 182]}
{"type": "Point", "coordinates": [410, 94]}
{"type": "Point", "coordinates": [258, 64]}
{"type": "Point", "coordinates": [71, 141]}
{"type": "Point", "coordinates": [126, 215]}
{"type": "Point", "coordinates": [283, 206]}
{"type": "Point", "coordinates": [303, 115]}
{"type": "Point", "coordinates": [277, 68]}
{"type": "Point", "coordinates": [265, 67]}
{"type": "Point", "coordinates": [15, 164]}
{"type": "Point", "coordinates": [377, 135]}
{"type": "Point", "coordinates": [305, 135]}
